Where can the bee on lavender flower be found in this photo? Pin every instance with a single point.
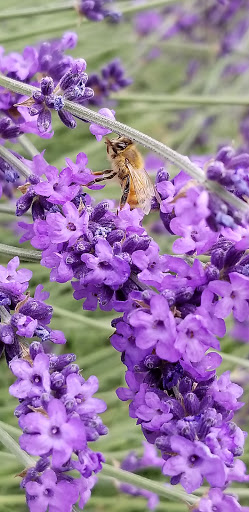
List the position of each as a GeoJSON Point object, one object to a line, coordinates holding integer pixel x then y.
{"type": "Point", "coordinates": [128, 167]}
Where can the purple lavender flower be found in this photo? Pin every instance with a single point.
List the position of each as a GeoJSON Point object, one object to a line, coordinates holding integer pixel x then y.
{"type": "Point", "coordinates": [234, 296]}
{"type": "Point", "coordinates": [156, 328]}
{"type": "Point", "coordinates": [219, 501]}
{"type": "Point", "coordinates": [67, 227]}
{"type": "Point", "coordinates": [32, 380]}
{"type": "Point", "coordinates": [111, 79]}
{"type": "Point", "coordinates": [51, 492]}
{"type": "Point", "coordinates": [53, 432]}
{"type": "Point", "coordinates": [193, 463]}
{"type": "Point", "coordinates": [97, 10]}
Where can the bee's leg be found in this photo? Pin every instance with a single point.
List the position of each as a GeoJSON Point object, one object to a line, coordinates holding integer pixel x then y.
{"type": "Point", "coordinates": [126, 191]}
{"type": "Point", "coordinates": [103, 178]}
{"type": "Point", "coordinates": [99, 173]}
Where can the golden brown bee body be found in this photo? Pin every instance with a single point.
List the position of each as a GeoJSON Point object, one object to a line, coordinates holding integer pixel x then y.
{"type": "Point", "coordinates": [128, 167]}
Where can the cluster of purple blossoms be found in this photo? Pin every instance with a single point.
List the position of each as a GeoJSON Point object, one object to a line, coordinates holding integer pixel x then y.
{"type": "Point", "coordinates": [23, 316]}
{"type": "Point", "coordinates": [173, 310]}
{"type": "Point", "coordinates": [47, 59]}
{"type": "Point", "coordinates": [97, 10]}
{"type": "Point", "coordinates": [57, 411]}
{"type": "Point", "coordinates": [111, 79]}
{"type": "Point", "coordinates": [198, 217]}
{"type": "Point", "coordinates": [72, 86]}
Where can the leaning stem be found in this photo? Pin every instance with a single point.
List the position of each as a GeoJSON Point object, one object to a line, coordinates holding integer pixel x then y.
{"type": "Point", "coordinates": [158, 147]}
{"type": "Point", "coordinates": [37, 11]}
{"type": "Point", "coordinates": [28, 146]}
{"type": "Point", "coordinates": [58, 8]}
{"type": "Point", "coordinates": [14, 448]}
{"type": "Point", "coordinates": [13, 160]}
{"type": "Point", "coordinates": [24, 254]}
{"type": "Point", "coordinates": [183, 99]}
{"type": "Point", "coordinates": [166, 491]}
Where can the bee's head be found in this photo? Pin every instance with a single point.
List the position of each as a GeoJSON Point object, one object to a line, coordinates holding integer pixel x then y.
{"type": "Point", "coordinates": [118, 145]}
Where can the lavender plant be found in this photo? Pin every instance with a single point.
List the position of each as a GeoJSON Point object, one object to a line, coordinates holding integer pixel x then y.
{"type": "Point", "coordinates": [175, 310]}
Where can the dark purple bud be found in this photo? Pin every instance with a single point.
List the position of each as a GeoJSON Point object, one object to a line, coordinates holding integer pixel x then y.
{"type": "Point", "coordinates": [211, 272]}
{"type": "Point", "coordinates": [38, 97]}
{"type": "Point", "coordinates": [44, 120]}
{"type": "Point", "coordinates": [184, 294]}
{"type": "Point", "coordinates": [10, 174]}
{"type": "Point", "coordinates": [232, 256]}
{"type": "Point", "coordinates": [175, 408]}
{"type": "Point", "coordinates": [225, 154]}
{"type": "Point", "coordinates": [57, 380]}
{"type": "Point", "coordinates": [33, 179]}
{"type": "Point", "coordinates": [67, 119]}
{"type": "Point", "coordinates": [239, 161]}
{"type": "Point", "coordinates": [35, 348]}
{"type": "Point", "coordinates": [71, 368]}
{"type": "Point", "coordinates": [206, 422]}
{"type": "Point", "coordinates": [37, 310]}
{"type": "Point", "coordinates": [163, 443]}
{"type": "Point", "coordinates": [191, 403]}
{"type": "Point", "coordinates": [59, 103]}
{"type": "Point", "coordinates": [152, 361]}
{"type": "Point", "coordinates": [22, 408]}
{"type": "Point", "coordinates": [186, 429]}
{"type": "Point", "coordinates": [175, 479]}
{"type": "Point", "coordinates": [170, 296]}
{"type": "Point", "coordinates": [99, 211]}
{"type": "Point", "coordinates": [13, 350]}
{"type": "Point", "coordinates": [88, 94]}
{"type": "Point", "coordinates": [42, 464]}
{"type": "Point", "coordinates": [218, 258]}
{"type": "Point", "coordinates": [83, 246]}
{"type": "Point", "coordinates": [78, 66]}
{"type": "Point", "coordinates": [6, 334]}
{"type": "Point", "coordinates": [57, 363]}
{"type": "Point", "coordinates": [47, 85]}
{"type": "Point", "coordinates": [185, 385]}
{"type": "Point", "coordinates": [35, 110]}
{"type": "Point", "coordinates": [45, 399]}
{"type": "Point", "coordinates": [130, 243]}
{"type": "Point", "coordinates": [162, 175]}
{"type": "Point", "coordinates": [49, 101]}
{"type": "Point", "coordinates": [143, 243]}
{"type": "Point", "coordinates": [37, 210]}
{"type": "Point", "coordinates": [216, 171]}
{"type": "Point", "coordinates": [68, 80]}
{"type": "Point", "coordinates": [10, 132]}
{"type": "Point", "coordinates": [115, 236]}
{"type": "Point", "coordinates": [23, 203]}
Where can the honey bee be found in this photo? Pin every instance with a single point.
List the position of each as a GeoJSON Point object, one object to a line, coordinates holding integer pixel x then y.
{"type": "Point", "coordinates": [128, 167]}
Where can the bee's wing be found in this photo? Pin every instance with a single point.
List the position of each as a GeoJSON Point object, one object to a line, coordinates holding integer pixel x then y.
{"type": "Point", "coordinates": [143, 186]}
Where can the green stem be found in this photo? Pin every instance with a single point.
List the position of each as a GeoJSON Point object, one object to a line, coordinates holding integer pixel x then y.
{"type": "Point", "coordinates": [58, 8]}
{"type": "Point", "coordinates": [28, 146]}
{"type": "Point", "coordinates": [131, 9]}
{"type": "Point", "coordinates": [166, 491]}
{"type": "Point", "coordinates": [24, 254]}
{"type": "Point", "coordinates": [85, 320]}
{"type": "Point", "coordinates": [161, 149]}
{"type": "Point", "coordinates": [184, 100]}
{"type": "Point", "coordinates": [36, 11]}
{"type": "Point", "coordinates": [14, 448]}
{"type": "Point", "coordinates": [233, 359]}
{"type": "Point", "coordinates": [12, 160]}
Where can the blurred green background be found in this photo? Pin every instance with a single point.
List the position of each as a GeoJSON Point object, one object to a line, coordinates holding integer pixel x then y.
{"type": "Point", "coordinates": [88, 333]}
